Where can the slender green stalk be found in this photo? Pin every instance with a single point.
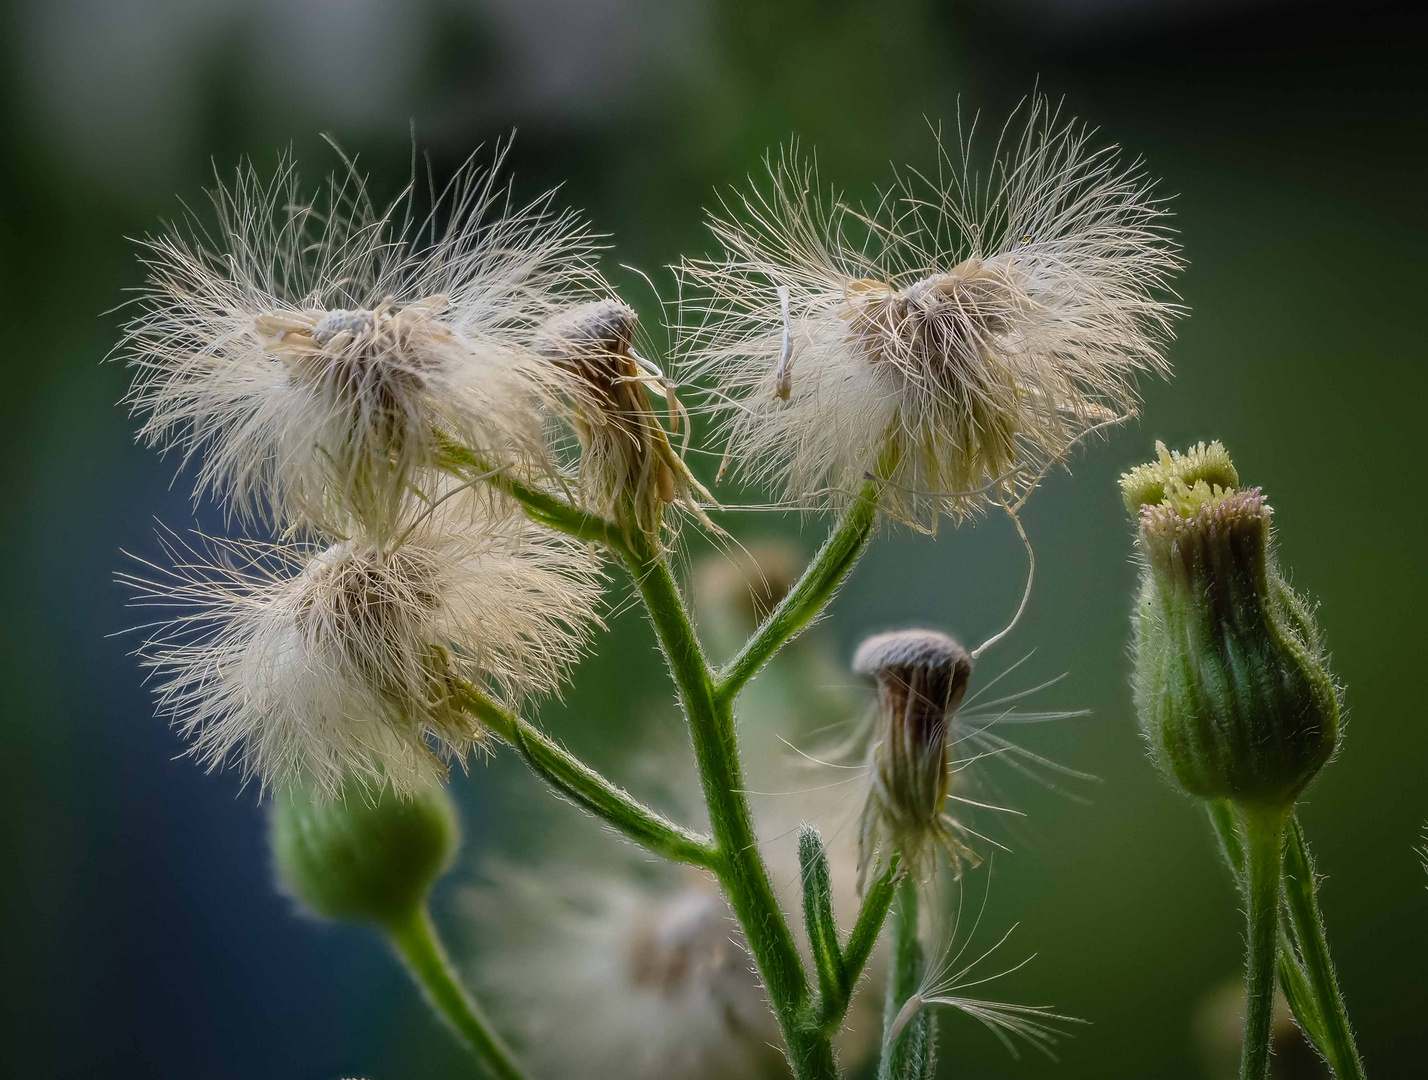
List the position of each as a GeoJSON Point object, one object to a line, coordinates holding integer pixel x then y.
{"type": "Point", "coordinates": [912, 1055]}
{"type": "Point", "coordinates": [589, 790]}
{"type": "Point", "coordinates": [416, 942]}
{"type": "Point", "coordinates": [1302, 903]}
{"type": "Point", "coordinates": [741, 870]}
{"type": "Point", "coordinates": [864, 935]}
{"type": "Point", "coordinates": [1306, 972]}
{"type": "Point", "coordinates": [1264, 829]}
{"type": "Point", "coordinates": [809, 596]}
{"type": "Point", "coordinates": [540, 506]}
{"type": "Point", "coordinates": [1292, 979]}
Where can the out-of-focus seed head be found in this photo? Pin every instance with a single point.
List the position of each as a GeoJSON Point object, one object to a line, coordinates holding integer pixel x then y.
{"type": "Point", "coordinates": [1232, 681]}
{"type": "Point", "coordinates": [921, 678]}
{"type": "Point", "coordinates": [608, 975]}
{"type": "Point", "coordinates": [734, 590]}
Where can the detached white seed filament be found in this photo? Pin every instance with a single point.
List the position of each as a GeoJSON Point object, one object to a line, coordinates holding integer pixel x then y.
{"type": "Point", "coordinates": [784, 384]}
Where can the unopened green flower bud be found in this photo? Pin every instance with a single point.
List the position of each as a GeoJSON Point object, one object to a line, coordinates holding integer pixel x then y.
{"type": "Point", "coordinates": [370, 856]}
{"type": "Point", "coordinates": [921, 677]}
{"type": "Point", "coordinates": [1232, 683]}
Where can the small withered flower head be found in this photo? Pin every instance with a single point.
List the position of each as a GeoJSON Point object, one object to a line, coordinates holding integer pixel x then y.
{"type": "Point", "coordinates": [952, 341]}
{"type": "Point", "coordinates": [921, 679]}
{"type": "Point", "coordinates": [313, 665]}
{"type": "Point", "coordinates": [317, 354]}
{"type": "Point", "coordinates": [628, 468]}
{"type": "Point", "coordinates": [1232, 680]}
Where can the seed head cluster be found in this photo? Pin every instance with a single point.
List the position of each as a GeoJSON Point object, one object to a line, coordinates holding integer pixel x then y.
{"type": "Point", "coordinates": [318, 360]}
{"type": "Point", "coordinates": [346, 377]}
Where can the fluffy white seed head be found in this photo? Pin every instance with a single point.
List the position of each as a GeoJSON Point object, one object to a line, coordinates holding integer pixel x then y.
{"type": "Point", "coordinates": [952, 341]}
{"type": "Point", "coordinates": [307, 665]}
{"type": "Point", "coordinates": [318, 352]}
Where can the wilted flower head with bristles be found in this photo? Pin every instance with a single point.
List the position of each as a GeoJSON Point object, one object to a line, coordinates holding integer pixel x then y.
{"type": "Point", "coordinates": [307, 664]}
{"type": "Point", "coordinates": [952, 341]}
{"type": "Point", "coordinates": [320, 352]}
{"type": "Point", "coordinates": [628, 468]}
{"type": "Point", "coordinates": [922, 677]}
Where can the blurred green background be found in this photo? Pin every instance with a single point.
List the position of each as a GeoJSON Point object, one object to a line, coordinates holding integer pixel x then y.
{"type": "Point", "coordinates": [141, 933]}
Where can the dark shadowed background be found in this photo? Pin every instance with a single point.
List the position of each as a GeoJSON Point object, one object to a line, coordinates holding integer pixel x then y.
{"type": "Point", "coordinates": [141, 935]}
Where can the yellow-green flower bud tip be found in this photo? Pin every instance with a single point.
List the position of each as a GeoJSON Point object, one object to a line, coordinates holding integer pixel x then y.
{"type": "Point", "coordinates": [922, 677]}
{"type": "Point", "coordinates": [1205, 463]}
{"type": "Point", "coordinates": [370, 856]}
{"type": "Point", "coordinates": [1232, 684]}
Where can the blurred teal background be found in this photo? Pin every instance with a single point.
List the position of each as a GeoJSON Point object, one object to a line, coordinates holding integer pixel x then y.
{"type": "Point", "coordinates": [141, 935]}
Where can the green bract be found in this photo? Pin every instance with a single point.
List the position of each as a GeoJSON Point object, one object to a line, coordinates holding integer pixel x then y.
{"type": "Point", "coordinates": [1232, 684]}
{"type": "Point", "coordinates": [369, 856]}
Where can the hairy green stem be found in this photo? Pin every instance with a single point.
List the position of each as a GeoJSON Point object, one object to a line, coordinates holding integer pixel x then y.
{"type": "Point", "coordinates": [416, 942]}
{"type": "Point", "coordinates": [1292, 979]}
{"type": "Point", "coordinates": [859, 947]}
{"type": "Point", "coordinates": [741, 869]}
{"type": "Point", "coordinates": [1302, 903]}
{"type": "Point", "coordinates": [1306, 971]}
{"type": "Point", "coordinates": [1264, 846]}
{"type": "Point", "coordinates": [809, 596]}
{"type": "Point", "coordinates": [588, 789]}
{"type": "Point", "coordinates": [540, 506]}
{"type": "Point", "coordinates": [912, 1055]}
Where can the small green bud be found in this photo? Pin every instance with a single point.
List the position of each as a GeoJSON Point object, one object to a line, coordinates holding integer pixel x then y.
{"type": "Point", "coordinates": [922, 677]}
{"type": "Point", "coordinates": [818, 915]}
{"type": "Point", "coordinates": [1232, 683]}
{"type": "Point", "coordinates": [370, 856]}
